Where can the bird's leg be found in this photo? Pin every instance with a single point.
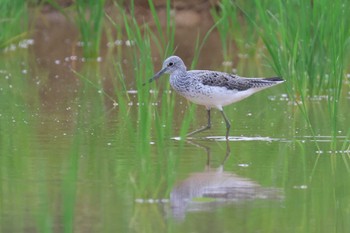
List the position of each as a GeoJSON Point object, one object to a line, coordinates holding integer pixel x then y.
{"type": "Point", "coordinates": [227, 154]}
{"type": "Point", "coordinates": [228, 124]}
{"type": "Point", "coordinates": [204, 128]}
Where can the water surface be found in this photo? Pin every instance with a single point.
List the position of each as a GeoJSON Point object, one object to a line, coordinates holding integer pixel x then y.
{"type": "Point", "coordinates": [73, 158]}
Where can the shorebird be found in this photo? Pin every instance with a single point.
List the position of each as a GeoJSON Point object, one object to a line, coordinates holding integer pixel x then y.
{"type": "Point", "coordinates": [213, 89]}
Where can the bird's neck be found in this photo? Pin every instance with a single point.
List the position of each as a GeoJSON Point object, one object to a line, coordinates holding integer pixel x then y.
{"type": "Point", "coordinates": [179, 80]}
{"type": "Point", "coordinates": [179, 73]}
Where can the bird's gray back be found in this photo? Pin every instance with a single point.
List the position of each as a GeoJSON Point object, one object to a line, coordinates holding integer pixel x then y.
{"type": "Point", "coordinates": [230, 81]}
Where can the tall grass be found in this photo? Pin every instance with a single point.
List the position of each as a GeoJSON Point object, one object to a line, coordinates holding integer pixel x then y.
{"type": "Point", "coordinates": [226, 19]}
{"type": "Point", "coordinates": [13, 21]}
{"type": "Point", "coordinates": [140, 55]}
{"type": "Point", "coordinates": [90, 17]}
{"type": "Point", "coordinates": [235, 31]}
{"type": "Point", "coordinates": [167, 38]}
{"type": "Point", "coordinates": [307, 44]}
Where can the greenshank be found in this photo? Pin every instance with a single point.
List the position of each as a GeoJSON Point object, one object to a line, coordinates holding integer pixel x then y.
{"type": "Point", "coordinates": [213, 89]}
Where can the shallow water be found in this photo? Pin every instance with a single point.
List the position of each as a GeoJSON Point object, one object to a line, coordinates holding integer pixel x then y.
{"type": "Point", "coordinates": [72, 161]}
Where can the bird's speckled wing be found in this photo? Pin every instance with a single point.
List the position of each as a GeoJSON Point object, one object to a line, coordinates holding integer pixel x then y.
{"type": "Point", "coordinates": [231, 81]}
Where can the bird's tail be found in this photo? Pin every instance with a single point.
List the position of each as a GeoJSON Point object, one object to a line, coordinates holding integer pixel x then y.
{"type": "Point", "coordinates": [262, 83]}
{"type": "Point", "coordinates": [274, 79]}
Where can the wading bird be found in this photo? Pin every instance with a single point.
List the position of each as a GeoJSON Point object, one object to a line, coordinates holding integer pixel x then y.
{"type": "Point", "coordinates": [213, 89]}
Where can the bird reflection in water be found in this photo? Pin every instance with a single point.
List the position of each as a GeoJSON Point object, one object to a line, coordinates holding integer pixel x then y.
{"type": "Point", "coordinates": [214, 187]}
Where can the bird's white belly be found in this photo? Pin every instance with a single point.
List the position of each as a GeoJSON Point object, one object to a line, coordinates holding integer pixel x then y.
{"type": "Point", "coordinates": [218, 97]}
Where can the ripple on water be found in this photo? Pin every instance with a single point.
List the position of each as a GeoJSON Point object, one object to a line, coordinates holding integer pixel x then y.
{"type": "Point", "coordinates": [320, 138]}
{"type": "Point", "coordinates": [238, 138]}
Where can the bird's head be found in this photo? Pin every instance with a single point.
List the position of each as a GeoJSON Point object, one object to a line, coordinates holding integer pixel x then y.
{"type": "Point", "coordinates": [170, 65]}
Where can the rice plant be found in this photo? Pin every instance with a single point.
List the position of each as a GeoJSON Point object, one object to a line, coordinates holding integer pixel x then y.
{"type": "Point", "coordinates": [140, 56]}
{"type": "Point", "coordinates": [227, 24]}
{"type": "Point", "coordinates": [307, 44]}
{"type": "Point", "coordinates": [13, 21]}
{"type": "Point", "coordinates": [90, 17]}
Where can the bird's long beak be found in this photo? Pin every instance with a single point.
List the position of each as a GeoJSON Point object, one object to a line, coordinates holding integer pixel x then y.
{"type": "Point", "coordinates": [156, 76]}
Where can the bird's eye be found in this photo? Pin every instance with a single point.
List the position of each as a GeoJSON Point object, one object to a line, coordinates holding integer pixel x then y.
{"type": "Point", "coordinates": [170, 64]}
